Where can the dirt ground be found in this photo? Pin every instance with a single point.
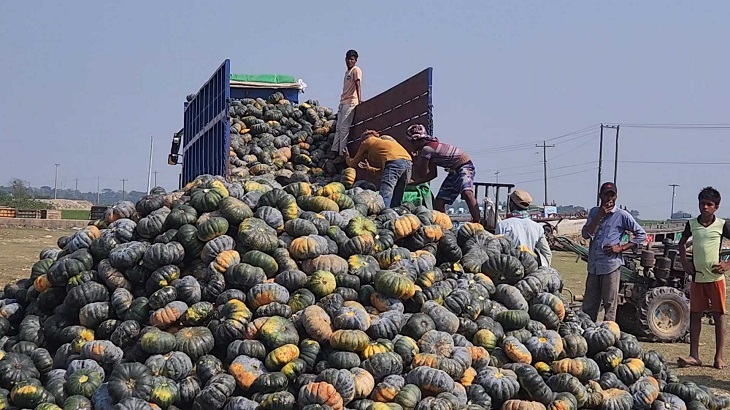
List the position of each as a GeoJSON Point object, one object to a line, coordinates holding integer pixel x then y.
{"type": "Point", "coordinates": [19, 249]}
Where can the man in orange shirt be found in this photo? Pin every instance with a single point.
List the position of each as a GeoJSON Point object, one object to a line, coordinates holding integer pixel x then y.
{"type": "Point", "coordinates": [378, 155]}
{"type": "Point", "coordinates": [350, 98]}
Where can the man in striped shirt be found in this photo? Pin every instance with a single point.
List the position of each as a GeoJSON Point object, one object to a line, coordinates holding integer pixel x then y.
{"type": "Point", "coordinates": [459, 181]}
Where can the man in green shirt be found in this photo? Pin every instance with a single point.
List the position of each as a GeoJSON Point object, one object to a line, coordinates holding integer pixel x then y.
{"type": "Point", "coordinates": [707, 289]}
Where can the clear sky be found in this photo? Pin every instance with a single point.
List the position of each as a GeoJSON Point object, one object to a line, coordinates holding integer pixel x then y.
{"type": "Point", "coordinates": [86, 84]}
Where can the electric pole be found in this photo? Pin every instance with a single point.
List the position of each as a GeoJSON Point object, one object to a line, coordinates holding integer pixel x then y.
{"type": "Point", "coordinates": [98, 185]}
{"type": "Point", "coordinates": [544, 147]}
{"type": "Point", "coordinates": [600, 165]}
{"type": "Point", "coordinates": [497, 174]}
{"type": "Point", "coordinates": [124, 191]}
{"type": "Point", "coordinates": [155, 177]}
{"type": "Point", "coordinates": [674, 186]}
{"type": "Point", "coordinates": [55, 183]}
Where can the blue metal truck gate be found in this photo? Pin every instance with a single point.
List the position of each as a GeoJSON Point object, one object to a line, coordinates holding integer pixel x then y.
{"type": "Point", "coordinates": [206, 128]}
{"type": "Point", "coordinates": [206, 131]}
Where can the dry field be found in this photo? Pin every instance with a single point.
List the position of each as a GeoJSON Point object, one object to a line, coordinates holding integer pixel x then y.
{"type": "Point", "coordinates": [19, 250]}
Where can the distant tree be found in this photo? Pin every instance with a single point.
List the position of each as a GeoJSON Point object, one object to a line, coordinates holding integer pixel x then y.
{"type": "Point", "coordinates": [634, 213]}
{"type": "Point", "coordinates": [21, 189]}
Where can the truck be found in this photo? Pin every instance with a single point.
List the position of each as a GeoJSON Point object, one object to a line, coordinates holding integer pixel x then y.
{"type": "Point", "coordinates": [205, 137]}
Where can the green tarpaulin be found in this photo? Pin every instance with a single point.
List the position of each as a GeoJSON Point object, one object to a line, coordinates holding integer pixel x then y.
{"type": "Point", "coordinates": [419, 195]}
{"type": "Point", "coordinates": [264, 78]}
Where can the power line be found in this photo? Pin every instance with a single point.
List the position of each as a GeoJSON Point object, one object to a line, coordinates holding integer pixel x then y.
{"type": "Point", "coordinates": [551, 169]}
{"type": "Point", "coordinates": [528, 145]}
{"type": "Point", "coordinates": [558, 176]}
{"type": "Point", "coordinates": [676, 162]}
{"type": "Point", "coordinates": [680, 126]}
{"type": "Point", "coordinates": [534, 164]}
{"type": "Point", "coordinates": [575, 148]}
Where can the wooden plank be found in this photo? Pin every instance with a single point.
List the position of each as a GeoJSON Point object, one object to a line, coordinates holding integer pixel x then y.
{"type": "Point", "coordinates": [397, 95]}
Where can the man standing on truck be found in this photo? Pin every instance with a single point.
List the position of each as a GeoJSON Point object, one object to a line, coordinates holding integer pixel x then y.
{"type": "Point", "coordinates": [523, 231]}
{"type": "Point", "coordinates": [387, 155]}
{"type": "Point", "coordinates": [350, 98]}
{"type": "Point", "coordinates": [605, 226]}
{"type": "Point", "coordinates": [455, 161]}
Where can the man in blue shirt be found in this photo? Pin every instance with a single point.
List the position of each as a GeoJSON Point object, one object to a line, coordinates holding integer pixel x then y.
{"type": "Point", "coordinates": [605, 226]}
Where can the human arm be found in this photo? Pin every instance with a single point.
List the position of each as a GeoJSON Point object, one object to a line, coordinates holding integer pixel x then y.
{"type": "Point", "coordinates": [592, 221]}
{"type": "Point", "coordinates": [689, 268]}
{"type": "Point", "coordinates": [638, 231]}
{"type": "Point", "coordinates": [543, 248]}
{"type": "Point", "coordinates": [361, 154]}
{"type": "Point", "coordinates": [628, 223]}
{"type": "Point", "coordinates": [364, 164]}
{"type": "Point", "coordinates": [358, 82]}
{"type": "Point", "coordinates": [722, 267]}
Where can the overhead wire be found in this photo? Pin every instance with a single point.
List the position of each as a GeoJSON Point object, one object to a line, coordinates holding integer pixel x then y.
{"type": "Point", "coordinates": [557, 176]}
{"type": "Point", "coordinates": [530, 145]}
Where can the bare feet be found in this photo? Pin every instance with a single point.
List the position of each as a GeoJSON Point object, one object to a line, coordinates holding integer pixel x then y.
{"type": "Point", "coordinates": [689, 361]}
{"type": "Point", "coordinates": [719, 364]}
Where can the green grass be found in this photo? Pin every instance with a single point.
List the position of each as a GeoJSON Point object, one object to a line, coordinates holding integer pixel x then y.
{"type": "Point", "coordinates": [78, 214]}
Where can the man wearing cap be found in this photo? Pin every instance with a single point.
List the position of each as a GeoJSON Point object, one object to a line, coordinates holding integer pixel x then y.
{"type": "Point", "coordinates": [605, 226]}
{"type": "Point", "coordinates": [523, 231]}
{"type": "Point", "coordinates": [460, 178]}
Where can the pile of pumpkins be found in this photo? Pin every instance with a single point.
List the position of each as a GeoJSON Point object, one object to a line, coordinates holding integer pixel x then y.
{"type": "Point", "coordinates": [252, 295]}
{"type": "Point", "coordinates": [276, 138]}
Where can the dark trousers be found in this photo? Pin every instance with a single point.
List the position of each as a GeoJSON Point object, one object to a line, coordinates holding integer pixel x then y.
{"type": "Point", "coordinates": [602, 288]}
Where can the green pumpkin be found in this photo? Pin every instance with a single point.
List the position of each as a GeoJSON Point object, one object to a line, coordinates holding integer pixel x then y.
{"type": "Point", "coordinates": [234, 210]}
{"type": "Point", "coordinates": [181, 215]}
{"type": "Point", "coordinates": [157, 342]}
{"type": "Point", "coordinates": [254, 233]}
{"type": "Point", "coordinates": [300, 227]}
{"type": "Point", "coordinates": [394, 284]}
{"type": "Point", "coordinates": [207, 198]}
{"type": "Point", "coordinates": [317, 204]}
{"type": "Point", "coordinates": [164, 393]}
{"type": "Point", "coordinates": [212, 227]}
{"type": "Point", "coordinates": [83, 382]}
{"type": "Point", "coordinates": [322, 283]}
{"type": "Point", "coordinates": [282, 201]}
{"type": "Point", "coordinates": [261, 260]}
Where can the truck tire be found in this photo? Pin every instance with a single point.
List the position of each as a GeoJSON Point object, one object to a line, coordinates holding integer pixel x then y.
{"type": "Point", "coordinates": [664, 315]}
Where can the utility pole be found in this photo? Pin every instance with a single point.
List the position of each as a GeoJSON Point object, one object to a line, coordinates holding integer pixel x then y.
{"type": "Point", "coordinates": [124, 191]}
{"type": "Point", "coordinates": [615, 158]}
{"type": "Point", "coordinates": [76, 190]}
{"type": "Point", "coordinates": [55, 183]}
{"type": "Point", "coordinates": [600, 164]}
{"type": "Point", "coordinates": [497, 174]}
{"type": "Point", "coordinates": [155, 177]}
{"type": "Point", "coordinates": [98, 185]}
{"type": "Point", "coordinates": [674, 186]}
{"type": "Point", "coordinates": [544, 147]}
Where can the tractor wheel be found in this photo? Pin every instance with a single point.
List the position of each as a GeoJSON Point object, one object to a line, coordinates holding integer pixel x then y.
{"type": "Point", "coordinates": [664, 315]}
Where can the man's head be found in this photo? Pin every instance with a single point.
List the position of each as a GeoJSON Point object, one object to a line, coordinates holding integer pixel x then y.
{"type": "Point", "coordinates": [418, 135]}
{"type": "Point", "coordinates": [608, 194]}
{"type": "Point", "coordinates": [519, 200]}
{"type": "Point", "coordinates": [351, 58]}
{"type": "Point", "coordinates": [709, 201]}
{"type": "Point", "coordinates": [369, 133]}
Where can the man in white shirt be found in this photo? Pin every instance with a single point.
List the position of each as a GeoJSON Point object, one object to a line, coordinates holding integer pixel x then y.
{"type": "Point", "coordinates": [350, 98]}
{"type": "Point", "coordinates": [523, 231]}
